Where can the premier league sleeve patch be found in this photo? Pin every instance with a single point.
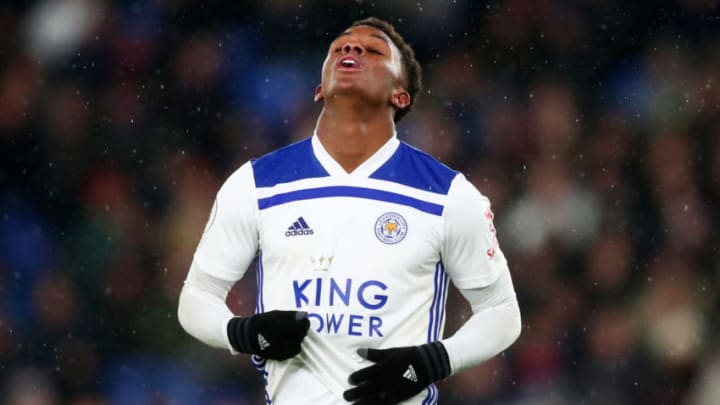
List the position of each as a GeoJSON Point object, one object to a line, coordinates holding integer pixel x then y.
{"type": "Point", "coordinates": [391, 228]}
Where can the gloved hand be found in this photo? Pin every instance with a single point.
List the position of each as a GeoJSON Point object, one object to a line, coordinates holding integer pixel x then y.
{"type": "Point", "coordinates": [398, 373]}
{"type": "Point", "coordinates": [271, 335]}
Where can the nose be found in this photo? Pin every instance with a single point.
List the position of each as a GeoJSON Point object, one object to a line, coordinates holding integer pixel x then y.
{"type": "Point", "coordinates": [353, 46]}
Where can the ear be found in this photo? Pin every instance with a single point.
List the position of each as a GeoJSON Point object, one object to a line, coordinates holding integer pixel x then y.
{"type": "Point", "coordinates": [400, 98]}
{"type": "Point", "coordinates": [318, 94]}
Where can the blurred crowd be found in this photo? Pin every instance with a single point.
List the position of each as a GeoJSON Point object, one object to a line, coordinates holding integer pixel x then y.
{"type": "Point", "coordinates": [592, 126]}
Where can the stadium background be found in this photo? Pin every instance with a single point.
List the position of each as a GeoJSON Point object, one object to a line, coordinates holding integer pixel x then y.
{"type": "Point", "coordinates": [593, 127]}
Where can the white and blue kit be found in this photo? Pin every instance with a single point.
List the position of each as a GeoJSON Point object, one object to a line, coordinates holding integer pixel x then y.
{"type": "Point", "coordinates": [368, 255]}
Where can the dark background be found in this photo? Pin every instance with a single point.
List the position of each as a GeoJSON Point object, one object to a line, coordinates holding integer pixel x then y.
{"type": "Point", "coordinates": [591, 125]}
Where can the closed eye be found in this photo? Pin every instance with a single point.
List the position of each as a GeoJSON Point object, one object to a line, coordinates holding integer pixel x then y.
{"type": "Point", "coordinates": [374, 51]}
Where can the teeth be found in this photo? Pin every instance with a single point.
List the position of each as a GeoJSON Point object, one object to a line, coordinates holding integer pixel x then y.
{"type": "Point", "coordinates": [348, 62]}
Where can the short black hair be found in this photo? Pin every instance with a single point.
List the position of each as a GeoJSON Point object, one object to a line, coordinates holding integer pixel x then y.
{"type": "Point", "coordinates": [411, 68]}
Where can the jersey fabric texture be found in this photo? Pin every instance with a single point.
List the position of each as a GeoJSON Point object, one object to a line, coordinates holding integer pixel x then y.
{"type": "Point", "coordinates": [368, 255]}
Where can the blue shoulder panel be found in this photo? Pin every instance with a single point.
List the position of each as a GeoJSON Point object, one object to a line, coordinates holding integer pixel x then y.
{"type": "Point", "coordinates": [414, 168]}
{"type": "Point", "coordinates": [287, 164]}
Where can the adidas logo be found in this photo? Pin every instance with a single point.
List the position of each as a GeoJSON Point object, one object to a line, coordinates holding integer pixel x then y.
{"type": "Point", "coordinates": [264, 344]}
{"type": "Point", "coordinates": [299, 228]}
{"type": "Point", "coordinates": [410, 374]}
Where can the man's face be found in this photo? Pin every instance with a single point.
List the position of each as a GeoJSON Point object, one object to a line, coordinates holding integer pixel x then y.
{"type": "Point", "coordinates": [362, 60]}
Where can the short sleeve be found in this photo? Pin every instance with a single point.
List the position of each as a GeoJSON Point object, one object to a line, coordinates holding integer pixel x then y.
{"type": "Point", "coordinates": [230, 240]}
{"type": "Point", "coordinates": [470, 251]}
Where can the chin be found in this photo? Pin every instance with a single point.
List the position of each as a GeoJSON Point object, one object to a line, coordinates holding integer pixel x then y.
{"type": "Point", "coordinates": [346, 87]}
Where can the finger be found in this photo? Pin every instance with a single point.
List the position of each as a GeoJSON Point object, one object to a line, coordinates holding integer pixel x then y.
{"type": "Point", "coordinates": [288, 352]}
{"type": "Point", "coordinates": [291, 316]}
{"type": "Point", "coordinates": [364, 374]}
{"type": "Point", "coordinates": [302, 326]}
{"type": "Point", "coordinates": [361, 392]}
{"type": "Point", "coordinates": [372, 354]}
{"type": "Point", "coordinates": [295, 349]}
{"type": "Point", "coordinates": [283, 314]}
{"type": "Point", "coordinates": [284, 317]}
{"type": "Point", "coordinates": [297, 330]}
{"type": "Point", "coordinates": [279, 355]}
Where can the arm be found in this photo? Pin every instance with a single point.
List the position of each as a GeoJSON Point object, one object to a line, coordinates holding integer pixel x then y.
{"type": "Point", "coordinates": [494, 325]}
{"type": "Point", "coordinates": [227, 247]}
{"type": "Point", "coordinates": [203, 313]}
{"type": "Point", "coordinates": [478, 268]}
{"type": "Point", "coordinates": [202, 310]}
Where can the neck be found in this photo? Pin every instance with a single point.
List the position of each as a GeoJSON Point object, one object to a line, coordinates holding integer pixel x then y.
{"type": "Point", "coordinates": [352, 135]}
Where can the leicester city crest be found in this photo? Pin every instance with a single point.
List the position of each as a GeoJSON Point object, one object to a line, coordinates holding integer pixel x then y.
{"type": "Point", "coordinates": [391, 228]}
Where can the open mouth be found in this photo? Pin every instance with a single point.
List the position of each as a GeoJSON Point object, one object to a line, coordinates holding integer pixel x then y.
{"type": "Point", "coordinates": [348, 63]}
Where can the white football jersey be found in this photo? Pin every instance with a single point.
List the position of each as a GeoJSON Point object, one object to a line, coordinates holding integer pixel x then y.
{"type": "Point", "coordinates": [366, 254]}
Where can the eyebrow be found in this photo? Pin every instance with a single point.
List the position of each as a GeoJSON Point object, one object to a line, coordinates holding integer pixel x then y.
{"type": "Point", "coordinates": [372, 35]}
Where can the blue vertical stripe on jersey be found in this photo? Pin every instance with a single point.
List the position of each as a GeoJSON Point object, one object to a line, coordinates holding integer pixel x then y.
{"type": "Point", "coordinates": [437, 307]}
{"type": "Point", "coordinates": [437, 315]}
{"type": "Point", "coordinates": [262, 285]}
{"type": "Point", "coordinates": [258, 361]}
{"type": "Point", "coordinates": [443, 300]}
{"type": "Point", "coordinates": [431, 317]}
{"type": "Point", "coordinates": [348, 191]}
{"type": "Point", "coordinates": [432, 396]}
{"type": "Point", "coordinates": [260, 364]}
{"type": "Point", "coordinates": [259, 304]}
{"type": "Point", "coordinates": [428, 397]}
{"type": "Point", "coordinates": [440, 307]}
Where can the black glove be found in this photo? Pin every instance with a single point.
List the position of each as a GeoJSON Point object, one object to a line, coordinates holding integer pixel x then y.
{"type": "Point", "coordinates": [271, 335]}
{"type": "Point", "coordinates": [398, 374]}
